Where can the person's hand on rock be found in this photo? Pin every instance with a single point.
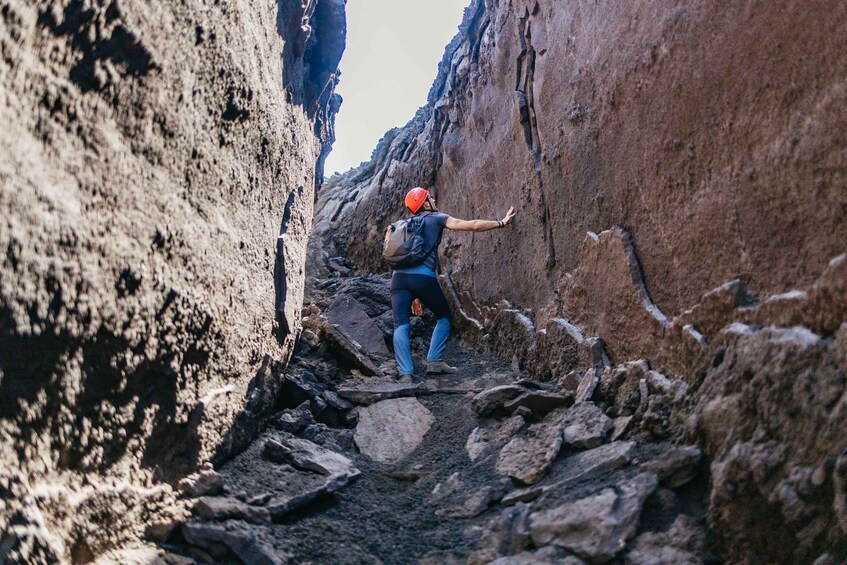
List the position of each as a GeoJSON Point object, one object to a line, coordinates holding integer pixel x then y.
{"type": "Point", "coordinates": [509, 215]}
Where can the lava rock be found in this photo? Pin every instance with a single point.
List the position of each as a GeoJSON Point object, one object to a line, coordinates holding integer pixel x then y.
{"type": "Point", "coordinates": [348, 349]}
{"type": "Point", "coordinates": [336, 439]}
{"type": "Point", "coordinates": [585, 426]}
{"type": "Point", "coordinates": [488, 401]}
{"type": "Point", "coordinates": [351, 319]}
{"type": "Point", "coordinates": [283, 504]}
{"type": "Point", "coordinates": [374, 391]}
{"type": "Point", "coordinates": [248, 543]}
{"type": "Point", "coordinates": [372, 292]}
{"type": "Point", "coordinates": [676, 466]}
{"type": "Point", "coordinates": [540, 402]}
{"type": "Point", "coordinates": [528, 458]}
{"type": "Point", "coordinates": [335, 401]}
{"type": "Point", "coordinates": [593, 462]}
{"type": "Point", "coordinates": [587, 385]}
{"type": "Point", "coordinates": [208, 482]}
{"type": "Point", "coordinates": [620, 427]}
{"type": "Point", "coordinates": [598, 526]}
{"type": "Point", "coordinates": [505, 534]}
{"type": "Point", "coordinates": [522, 495]}
{"type": "Point", "coordinates": [293, 420]}
{"type": "Point", "coordinates": [549, 555]}
{"type": "Point", "coordinates": [476, 502]}
{"type": "Point", "coordinates": [221, 508]}
{"type": "Point", "coordinates": [299, 387]}
{"type": "Point", "coordinates": [391, 429]}
{"type": "Point", "coordinates": [303, 454]}
{"type": "Point", "coordinates": [682, 543]}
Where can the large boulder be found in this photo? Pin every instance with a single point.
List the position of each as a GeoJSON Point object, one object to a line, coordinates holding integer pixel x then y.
{"type": "Point", "coordinates": [391, 429]}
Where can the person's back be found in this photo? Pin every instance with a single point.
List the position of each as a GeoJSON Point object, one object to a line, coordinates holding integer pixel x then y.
{"type": "Point", "coordinates": [433, 230]}
{"type": "Point", "coordinates": [412, 286]}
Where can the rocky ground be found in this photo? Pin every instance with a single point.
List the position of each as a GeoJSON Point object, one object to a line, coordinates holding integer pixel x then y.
{"type": "Point", "coordinates": [484, 465]}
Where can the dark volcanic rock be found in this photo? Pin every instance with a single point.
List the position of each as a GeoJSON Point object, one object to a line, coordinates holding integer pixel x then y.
{"type": "Point", "coordinates": [653, 239]}
{"type": "Point", "coordinates": [493, 399]}
{"type": "Point", "coordinates": [348, 315]}
{"type": "Point", "coordinates": [283, 504]}
{"type": "Point", "coordinates": [349, 349]}
{"type": "Point", "coordinates": [676, 466]}
{"type": "Point", "coordinates": [539, 402]}
{"type": "Point", "coordinates": [374, 390]}
{"type": "Point", "coordinates": [306, 455]}
{"type": "Point", "coordinates": [293, 420]}
{"type": "Point", "coordinates": [248, 543]}
{"type": "Point", "coordinates": [596, 527]}
{"type": "Point", "coordinates": [157, 177]}
{"type": "Point", "coordinates": [335, 439]}
{"type": "Point", "coordinates": [580, 173]}
{"type": "Point", "coordinates": [585, 426]}
{"type": "Point", "coordinates": [527, 458]}
{"type": "Point", "coordinates": [770, 410]}
{"type": "Point", "coordinates": [221, 508]}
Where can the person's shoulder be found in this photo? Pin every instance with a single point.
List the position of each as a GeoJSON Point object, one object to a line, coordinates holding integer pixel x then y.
{"type": "Point", "coordinates": [441, 217]}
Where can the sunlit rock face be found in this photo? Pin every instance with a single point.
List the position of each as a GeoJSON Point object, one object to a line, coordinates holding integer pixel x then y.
{"type": "Point", "coordinates": [676, 170]}
{"type": "Point", "coordinates": [157, 179]}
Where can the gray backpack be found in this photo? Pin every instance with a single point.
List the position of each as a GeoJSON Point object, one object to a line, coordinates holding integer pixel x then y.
{"type": "Point", "coordinates": [404, 244]}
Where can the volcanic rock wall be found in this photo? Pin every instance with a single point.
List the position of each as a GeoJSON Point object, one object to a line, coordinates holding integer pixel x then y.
{"type": "Point", "coordinates": [151, 155]}
{"type": "Point", "coordinates": [681, 186]}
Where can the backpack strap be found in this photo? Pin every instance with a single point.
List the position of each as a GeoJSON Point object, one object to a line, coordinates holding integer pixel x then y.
{"type": "Point", "coordinates": [433, 248]}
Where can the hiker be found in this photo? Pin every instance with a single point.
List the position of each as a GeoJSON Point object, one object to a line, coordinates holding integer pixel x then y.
{"type": "Point", "coordinates": [411, 286]}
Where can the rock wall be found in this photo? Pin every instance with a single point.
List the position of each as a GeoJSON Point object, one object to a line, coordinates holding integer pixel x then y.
{"type": "Point", "coordinates": [679, 176]}
{"type": "Point", "coordinates": [157, 173]}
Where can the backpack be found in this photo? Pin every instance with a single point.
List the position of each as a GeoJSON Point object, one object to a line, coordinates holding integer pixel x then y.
{"type": "Point", "coordinates": [404, 244]}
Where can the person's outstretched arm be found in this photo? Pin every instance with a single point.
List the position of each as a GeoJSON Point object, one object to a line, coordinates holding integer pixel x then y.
{"type": "Point", "coordinates": [480, 225]}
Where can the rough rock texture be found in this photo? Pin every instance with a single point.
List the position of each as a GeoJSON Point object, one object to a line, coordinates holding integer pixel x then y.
{"type": "Point", "coordinates": [392, 429]}
{"type": "Point", "coordinates": [678, 171]}
{"type": "Point", "coordinates": [528, 458]}
{"type": "Point", "coordinates": [695, 127]}
{"type": "Point", "coordinates": [772, 415]}
{"type": "Point", "coordinates": [595, 527]}
{"type": "Point", "coordinates": [152, 153]}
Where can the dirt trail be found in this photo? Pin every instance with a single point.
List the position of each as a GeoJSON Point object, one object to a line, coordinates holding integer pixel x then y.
{"type": "Point", "coordinates": [476, 467]}
{"type": "Point", "coordinates": [394, 519]}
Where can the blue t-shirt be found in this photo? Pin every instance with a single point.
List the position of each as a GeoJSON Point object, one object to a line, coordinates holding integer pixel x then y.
{"type": "Point", "coordinates": [434, 223]}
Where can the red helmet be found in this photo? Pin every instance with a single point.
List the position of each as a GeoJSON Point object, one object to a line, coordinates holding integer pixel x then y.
{"type": "Point", "coordinates": [416, 198]}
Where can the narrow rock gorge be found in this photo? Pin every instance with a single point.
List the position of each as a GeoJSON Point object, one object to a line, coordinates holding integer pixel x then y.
{"type": "Point", "coordinates": [679, 174]}
{"type": "Point", "coordinates": [196, 326]}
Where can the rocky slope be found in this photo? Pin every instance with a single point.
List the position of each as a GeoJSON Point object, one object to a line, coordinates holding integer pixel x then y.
{"type": "Point", "coordinates": [157, 173]}
{"type": "Point", "coordinates": [679, 176]}
{"type": "Point", "coordinates": [482, 466]}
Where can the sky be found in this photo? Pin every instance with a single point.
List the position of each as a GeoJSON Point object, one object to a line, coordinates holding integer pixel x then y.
{"type": "Point", "coordinates": [392, 55]}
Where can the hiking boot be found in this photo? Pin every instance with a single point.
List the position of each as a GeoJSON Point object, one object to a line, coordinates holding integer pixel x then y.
{"type": "Point", "coordinates": [439, 367]}
{"type": "Point", "coordinates": [406, 379]}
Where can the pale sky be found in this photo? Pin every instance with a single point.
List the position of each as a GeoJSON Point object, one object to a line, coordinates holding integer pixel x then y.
{"type": "Point", "coordinates": [392, 55]}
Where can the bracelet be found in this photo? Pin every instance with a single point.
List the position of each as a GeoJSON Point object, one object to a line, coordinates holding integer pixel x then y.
{"type": "Point", "coordinates": [500, 223]}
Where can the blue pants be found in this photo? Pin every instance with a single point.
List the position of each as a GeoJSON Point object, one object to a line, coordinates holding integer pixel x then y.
{"type": "Point", "coordinates": [406, 287]}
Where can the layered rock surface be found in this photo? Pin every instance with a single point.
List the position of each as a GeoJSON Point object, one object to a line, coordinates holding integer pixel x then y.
{"type": "Point", "coordinates": [157, 170]}
{"type": "Point", "coordinates": [679, 248]}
